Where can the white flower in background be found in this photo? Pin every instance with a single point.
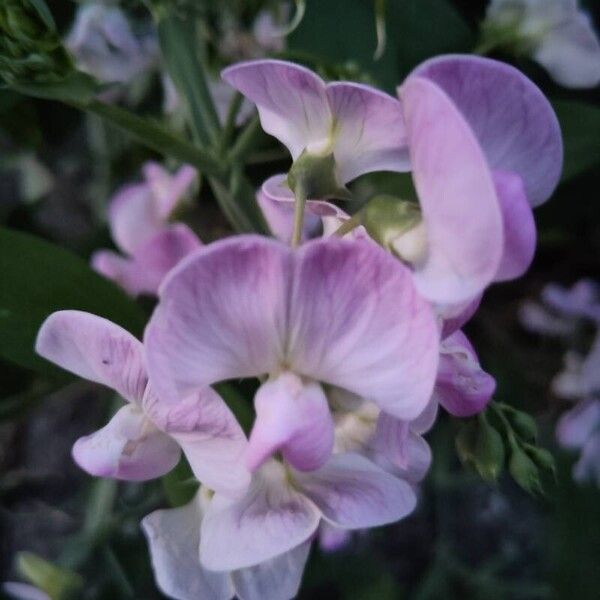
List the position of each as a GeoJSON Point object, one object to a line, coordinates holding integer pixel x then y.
{"type": "Point", "coordinates": [557, 34]}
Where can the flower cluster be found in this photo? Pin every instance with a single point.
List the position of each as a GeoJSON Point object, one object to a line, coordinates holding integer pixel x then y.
{"type": "Point", "coordinates": [352, 332]}
{"type": "Point", "coordinates": [566, 314]}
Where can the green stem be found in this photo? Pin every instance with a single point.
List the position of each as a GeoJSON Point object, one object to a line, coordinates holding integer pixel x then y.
{"type": "Point", "coordinates": [154, 136]}
{"type": "Point", "coordinates": [347, 226]}
{"type": "Point", "coordinates": [229, 126]}
{"type": "Point", "coordinates": [300, 196]}
{"type": "Point", "coordinates": [245, 142]}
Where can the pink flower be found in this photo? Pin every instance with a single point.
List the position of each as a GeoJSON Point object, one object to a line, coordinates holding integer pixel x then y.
{"type": "Point", "coordinates": [143, 439]}
{"type": "Point", "coordinates": [482, 141]}
{"type": "Point", "coordinates": [139, 220]}
{"type": "Point", "coordinates": [337, 312]}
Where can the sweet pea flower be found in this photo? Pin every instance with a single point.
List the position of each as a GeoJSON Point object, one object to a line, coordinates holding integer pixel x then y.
{"type": "Point", "coordinates": [333, 311]}
{"type": "Point", "coordinates": [105, 46]}
{"type": "Point", "coordinates": [255, 545]}
{"type": "Point", "coordinates": [143, 439]}
{"type": "Point", "coordinates": [483, 143]}
{"type": "Point", "coordinates": [556, 33]}
{"type": "Point", "coordinates": [139, 221]}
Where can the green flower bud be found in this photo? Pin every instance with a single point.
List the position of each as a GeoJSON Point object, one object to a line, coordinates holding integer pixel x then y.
{"type": "Point", "coordinates": [466, 442]}
{"type": "Point", "coordinates": [57, 582]}
{"type": "Point", "coordinates": [316, 175]}
{"type": "Point", "coordinates": [523, 424]}
{"type": "Point", "coordinates": [542, 458]}
{"type": "Point", "coordinates": [481, 447]}
{"type": "Point", "coordinates": [524, 471]}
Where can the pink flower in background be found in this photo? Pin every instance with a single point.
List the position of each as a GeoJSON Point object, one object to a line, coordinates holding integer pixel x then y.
{"type": "Point", "coordinates": [139, 221]}
{"type": "Point", "coordinates": [337, 312]}
{"type": "Point", "coordinates": [143, 439]}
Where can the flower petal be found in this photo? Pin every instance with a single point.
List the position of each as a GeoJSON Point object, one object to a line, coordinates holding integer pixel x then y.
{"type": "Point", "coordinates": [462, 387]}
{"type": "Point", "coordinates": [167, 189]}
{"type": "Point", "coordinates": [369, 130]}
{"type": "Point", "coordinates": [581, 300]}
{"type": "Point", "coordinates": [457, 315]}
{"type": "Point", "coordinates": [174, 539]}
{"type": "Point", "coordinates": [353, 493]}
{"type": "Point", "coordinates": [332, 539]}
{"type": "Point", "coordinates": [209, 435]}
{"type": "Point", "coordinates": [275, 579]}
{"type": "Point", "coordinates": [577, 425]}
{"type": "Point", "coordinates": [291, 100]}
{"type": "Point", "coordinates": [269, 520]}
{"type": "Point", "coordinates": [23, 591]}
{"type": "Point", "coordinates": [461, 212]}
{"type": "Point", "coordinates": [519, 226]}
{"type": "Point", "coordinates": [357, 322]}
{"type": "Point", "coordinates": [292, 416]}
{"type": "Point", "coordinates": [221, 315]}
{"type": "Point", "coordinates": [513, 121]}
{"type": "Point", "coordinates": [570, 52]}
{"type": "Point", "coordinates": [129, 447]}
{"type": "Point", "coordinates": [95, 349]}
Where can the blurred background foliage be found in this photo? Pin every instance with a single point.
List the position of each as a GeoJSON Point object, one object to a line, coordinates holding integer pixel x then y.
{"type": "Point", "coordinates": [467, 539]}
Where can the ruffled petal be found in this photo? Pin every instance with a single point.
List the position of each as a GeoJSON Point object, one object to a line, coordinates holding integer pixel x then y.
{"type": "Point", "coordinates": [174, 540]}
{"type": "Point", "coordinates": [455, 316]}
{"type": "Point", "coordinates": [168, 189]}
{"type": "Point", "coordinates": [221, 315]}
{"type": "Point", "coordinates": [369, 132]}
{"type": "Point", "coordinates": [357, 322]}
{"type": "Point", "coordinates": [209, 435]}
{"type": "Point", "coordinates": [129, 447]}
{"type": "Point", "coordinates": [353, 493]}
{"type": "Point", "coordinates": [271, 519]}
{"type": "Point", "coordinates": [513, 121]}
{"type": "Point", "coordinates": [291, 101]}
{"type": "Point", "coordinates": [461, 212]}
{"type": "Point", "coordinates": [95, 349]}
{"type": "Point", "coordinates": [462, 387]}
{"type": "Point", "coordinates": [292, 416]}
{"type": "Point", "coordinates": [519, 226]}
{"type": "Point", "coordinates": [275, 579]}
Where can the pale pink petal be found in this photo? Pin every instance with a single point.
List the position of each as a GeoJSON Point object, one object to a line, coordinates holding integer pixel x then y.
{"type": "Point", "coordinates": [23, 591]}
{"type": "Point", "coordinates": [425, 421]}
{"type": "Point", "coordinates": [461, 212]}
{"type": "Point", "coordinates": [270, 519]}
{"type": "Point", "coordinates": [209, 435]}
{"type": "Point", "coordinates": [133, 217]}
{"type": "Point", "coordinates": [462, 387]}
{"type": "Point", "coordinates": [129, 447]}
{"type": "Point", "coordinates": [357, 322]}
{"type": "Point", "coordinates": [513, 121]}
{"type": "Point", "coordinates": [332, 539]}
{"type": "Point", "coordinates": [168, 189]}
{"type": "Point", "coordinates": [353, 493]}
{"type": "Point", "coordinates": [369, 130]}
{"type": "Point", "coordinates": [577, 425]}
{"type": "Point", "coordinates": [520, 234]}
{"type": "Point", "coordinates": [293, 417]}
{"type": "Point", "coordinates": [581, 300]}
{"type": "Point", "coordinates": [174, 540]}
{"type": "Point", "coordinates": [407, 451]}
{"type": "Point", "coordinates": [456, 315]}
{"type": "Point", "coordinates": [95, 349]}
{"type": "Point", "coordinates": [587, 467]}
{"type": "Point", "coordinates": [222, 314]}
{"type": "Point", "coordinates": [275, 579]}
{"type": "Point", "coordinates": [291, 100]}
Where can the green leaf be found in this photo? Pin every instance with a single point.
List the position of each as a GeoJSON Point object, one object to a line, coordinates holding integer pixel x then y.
{"type": "Point", "coordinates": [38, 278]}
{"type": "Point", "coordinates": [580, 124]}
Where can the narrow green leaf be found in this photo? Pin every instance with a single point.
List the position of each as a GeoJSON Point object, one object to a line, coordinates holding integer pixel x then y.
{"type": "Point", "coordinates": [38, 278]}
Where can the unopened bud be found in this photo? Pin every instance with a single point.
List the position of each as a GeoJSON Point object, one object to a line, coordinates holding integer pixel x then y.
{"type": "Point", "coordinates": [524, 471]}
{"type": "Point", "coordinates": [542, 458]}
{"type": "Point", "coordinates": [489, 452]}
{"type": "Point", "coordinates": [523, 424]}
{"type": "Point", "coordinates": [57, 582]}
{"type": "Point", "coordinates": [316, 174]}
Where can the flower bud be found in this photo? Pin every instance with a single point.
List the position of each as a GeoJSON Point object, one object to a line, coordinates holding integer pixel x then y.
{"type": "Point", "coordinates": [480, 446]}
{"type": "Point", "coordinates": [315, 173]}
{"type": "Point", "coordinates": [542, 458]}
{"type": "Point", "coordinates": [524, 471]}
{"type": "Point", "coordinates": [523, 424]}
{"type": "Point", "coordinates": [57, 582]}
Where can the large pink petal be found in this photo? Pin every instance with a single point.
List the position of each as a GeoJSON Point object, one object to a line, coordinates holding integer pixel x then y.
{"type": "Point", "coordinates": [462, 387]}
{"type": "Point", "coordinates": [519, 226]}
{"type": "Point", "coordinates": [275, 579]}
{"type": "Point", "coordinates": [209, 435]}
{"type": "Point", "coordinates": [269, 520]}
{"type": "Point", "coordinates": [369, 130]}
{"type": "Point", "coordinates": [510, 116]}
{"type": "Point", "coordinates": [353, 493]}
{"type": "Point", "coordinates": [95, 349]}
{"type": "Point", "coordinates": [222, 315]}
{"type": "Point", "coordinates": [292, 416]}
{"type": "Point", "coordinates": [454, 316]}
{"type": "Point", "coordinates": [357, 322]}
{"type": "Point", "coordinates": [460, 208]}
{"type": "Point", "coordinates": [167, 189]}
{"type": "Point", "coordinates": [174, 540]}
{"type": "Point", "coordinates": [129, 447]}
{"type": "Point", "coordinates": [291, 100]}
